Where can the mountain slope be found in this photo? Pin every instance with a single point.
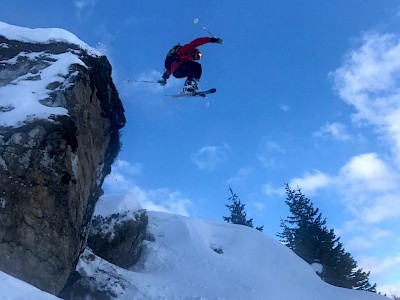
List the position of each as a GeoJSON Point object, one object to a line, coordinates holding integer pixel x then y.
{"type": "Point", "coordinates": [183, 263]}
{"type": "Point", "coordinates": [186, 258]}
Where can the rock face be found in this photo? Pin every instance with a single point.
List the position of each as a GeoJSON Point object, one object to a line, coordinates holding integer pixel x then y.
{"type": "Point", "coordinates": [52, 169]}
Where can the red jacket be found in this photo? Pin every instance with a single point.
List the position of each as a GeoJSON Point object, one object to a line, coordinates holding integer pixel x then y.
{"type": "Point", "coordinates": [186, 53]}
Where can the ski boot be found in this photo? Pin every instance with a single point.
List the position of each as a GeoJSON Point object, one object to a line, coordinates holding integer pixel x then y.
{"type": "Point", "coordinates": [191, 86]}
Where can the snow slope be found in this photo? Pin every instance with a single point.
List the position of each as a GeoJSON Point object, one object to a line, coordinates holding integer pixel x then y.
{"type": "Point", "coordinates": [183, 263]}
{"type": "Point", "coordinates": [15, 289]}
{"type": "Point", "coordinates": [188, 258]}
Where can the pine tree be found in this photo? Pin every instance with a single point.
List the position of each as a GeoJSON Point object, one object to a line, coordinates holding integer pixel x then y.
{"type": "Point", "coordinates": [238, 212]}
{"type": "Point", "coordinates": [305, 232]}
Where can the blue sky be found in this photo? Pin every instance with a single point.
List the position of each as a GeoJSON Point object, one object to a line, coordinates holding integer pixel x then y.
{"type": "Point", "coordinates": [308, 93]}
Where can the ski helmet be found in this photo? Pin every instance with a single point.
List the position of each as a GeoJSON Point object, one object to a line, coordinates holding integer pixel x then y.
{"type": "Point", "coordinates": [197, 54]}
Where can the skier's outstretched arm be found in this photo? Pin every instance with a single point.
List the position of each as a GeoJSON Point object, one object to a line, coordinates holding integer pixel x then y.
{"type": "Point", "coordinates": [198, 42]}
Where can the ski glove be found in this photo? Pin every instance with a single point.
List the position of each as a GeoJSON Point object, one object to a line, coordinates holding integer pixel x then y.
{"type": "Point", "coordinates": [216, 40]}
{"type": "Point", "coordinates": [162, 82]}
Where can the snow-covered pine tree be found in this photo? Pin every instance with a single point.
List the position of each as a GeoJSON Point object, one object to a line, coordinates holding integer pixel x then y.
{"type": "Point", "coordinates": [305, 232]}
{"type": "Point", "coordinates": [238, 212]}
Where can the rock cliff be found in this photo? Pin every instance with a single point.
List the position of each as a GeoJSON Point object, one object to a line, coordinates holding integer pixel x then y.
{"type": "Point", "coordinates": [53, 159]}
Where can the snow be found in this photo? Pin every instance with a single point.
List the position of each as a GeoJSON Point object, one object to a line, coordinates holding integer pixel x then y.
{"type": "Point", "coordinates": [23, 95]}
{"type": "Point", "coordinates": [23, 99]}
{"type": "Point", "coordinates": [42, 35]}
{"type": "Point", "coordinates": [188, 258]}
{"type": "Point", "coordinates": [15, 289]}
{"type": "Point", "coordinates": [182, 264]}
{"type": "Point", "coordinates": [317, 267]}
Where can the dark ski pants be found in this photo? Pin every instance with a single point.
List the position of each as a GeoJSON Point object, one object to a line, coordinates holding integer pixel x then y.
{"type": "Point", "coordinates": [190, 69]}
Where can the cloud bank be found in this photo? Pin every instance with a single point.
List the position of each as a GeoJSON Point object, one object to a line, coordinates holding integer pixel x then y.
{"type": "Point", "coordinates": [122, 181]}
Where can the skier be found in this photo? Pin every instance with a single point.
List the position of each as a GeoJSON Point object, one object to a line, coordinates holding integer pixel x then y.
{"type": "Point", "coordinates": [181, 63]}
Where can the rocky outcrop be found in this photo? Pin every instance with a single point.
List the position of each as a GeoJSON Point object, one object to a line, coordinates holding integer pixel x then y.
{"type": "Point", "coordinates": [114, 240]}
{"type": "Point", "coordinates": [96, 279]}
{"type": "Point", "coordinates": [118, 238]}
{"type": "Point", "coordinates": [51, 170]}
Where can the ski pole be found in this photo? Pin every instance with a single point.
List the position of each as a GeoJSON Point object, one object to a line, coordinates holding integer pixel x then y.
{"type": "Point", "coordinates": [139, 81]}
{"type": "Point", "coordinates": [196, 21]}
{"type": "Point", "coordinates": [145, 81]}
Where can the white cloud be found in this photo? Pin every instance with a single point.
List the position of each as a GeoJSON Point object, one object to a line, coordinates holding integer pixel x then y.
{"type": "Point", "coordinates": [370, 188]}
{"type": "Point", "coordinates": [390, 289]}
{"type": "Point", "coordinates": [209, 157]}
{"type": "Point", "coordinates": [387, 267]}
{"type": "Point", "coordinates": [380, 266]}
{"type": "Point", "coordinates": [369, 238]}
{"type": "Point", "coordinates": [369, 80]}
{"type": "Point", "coordinates": [120, 178]}
{"type": "Point", "coordinates": [161, 200]}
{"type": "Point", "coordinates": [128, 167]}
{"type": "Point", "coordinates": [368, 172]}
{"type": "Point", "coordinates": [311, 182]}
{"type": "Point", "coordinates": [122, 181]}
{"type": "Point", "coordinates": [367, 185]}
{"type": "Point", "coordinates": [336, 129]}
{"type": "Point", "coordinates": [383, 208]}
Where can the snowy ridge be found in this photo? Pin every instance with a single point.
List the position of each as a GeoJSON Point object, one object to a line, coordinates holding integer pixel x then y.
{"type": "Point", "coordinates": [42, 35]}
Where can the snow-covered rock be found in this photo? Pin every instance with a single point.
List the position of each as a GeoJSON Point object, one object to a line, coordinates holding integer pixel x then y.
{"type": "Point", "coordinates": [118, 237]}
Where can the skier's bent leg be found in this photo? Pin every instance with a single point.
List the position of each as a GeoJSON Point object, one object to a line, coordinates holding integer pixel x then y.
{"type": "Point", "coordinates": [192, 70]}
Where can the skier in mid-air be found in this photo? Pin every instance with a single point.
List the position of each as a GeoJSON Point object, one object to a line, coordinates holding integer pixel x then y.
{"type": "Point", "coordinates": [181, 62]}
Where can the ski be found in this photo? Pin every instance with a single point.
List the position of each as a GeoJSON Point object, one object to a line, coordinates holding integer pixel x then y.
{"type": "Point", "coordinates": [196, 94]}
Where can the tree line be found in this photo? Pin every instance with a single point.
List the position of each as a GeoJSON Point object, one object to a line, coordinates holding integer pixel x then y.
{"type": "Point", "coordinates": [305, 232]}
